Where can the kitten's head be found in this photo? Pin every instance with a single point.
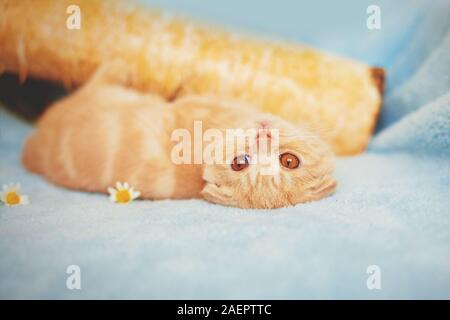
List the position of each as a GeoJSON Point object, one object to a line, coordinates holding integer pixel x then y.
{"type": "Point", "coordinates": [251, 176]}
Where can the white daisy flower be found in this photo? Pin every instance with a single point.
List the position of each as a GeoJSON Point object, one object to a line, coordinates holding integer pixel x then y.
{"type": "Point", "coordinates": [123, 193]}
{"type": "Point", "coordinates": [11, 196]}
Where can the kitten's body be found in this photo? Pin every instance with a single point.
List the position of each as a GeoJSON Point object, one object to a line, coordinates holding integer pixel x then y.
{"type": "Point", "coordinates": [105, 133]}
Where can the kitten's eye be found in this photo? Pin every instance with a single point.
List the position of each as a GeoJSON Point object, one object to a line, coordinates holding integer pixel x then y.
{"type": "Point", "coordinates": [240, 162]}
{"type": "Point", "coordinates": [290, 161]}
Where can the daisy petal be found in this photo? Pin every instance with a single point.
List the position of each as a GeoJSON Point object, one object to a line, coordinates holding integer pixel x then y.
{"type": "Point", "coordinates": [24, 200]}
{"type": "Point", "coordinates": [135, 195]}
{"type": "Point", "coordinates": [126, 185]}
{"type": "Point", "coordinates": [112, 191]}
{"type": "Point", "coordinates": [118, 185]}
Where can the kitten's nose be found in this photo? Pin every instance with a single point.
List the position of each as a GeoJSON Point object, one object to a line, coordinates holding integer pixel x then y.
{"type": "Point", "coordinates": [263, 130]}
{"type": "Point", "coordinates": [263, 133]}
{"type": "Point", "coordinates": [263, 140]}
{"type": "Point", "coordinates": [264, 123]}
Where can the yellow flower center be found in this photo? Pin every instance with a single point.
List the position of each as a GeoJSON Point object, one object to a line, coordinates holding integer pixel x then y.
{"type": "Point", "coordinates": [12, 198]}
{"type": "Point", "coordinates": [123, 196]}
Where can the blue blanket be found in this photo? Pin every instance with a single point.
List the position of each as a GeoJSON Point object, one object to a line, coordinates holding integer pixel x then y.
{"type": "Point", "coordinates": [391, 209]}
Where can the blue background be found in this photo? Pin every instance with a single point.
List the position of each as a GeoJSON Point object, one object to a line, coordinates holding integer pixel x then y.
{"type": "Point", "coordinates": [391, 208]}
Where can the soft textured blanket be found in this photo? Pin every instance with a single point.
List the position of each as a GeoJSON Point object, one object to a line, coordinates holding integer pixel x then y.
{"type": "Point", "coordinates": [391, 209]}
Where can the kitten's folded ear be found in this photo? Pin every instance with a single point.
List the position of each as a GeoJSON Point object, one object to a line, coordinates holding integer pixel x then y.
{"type": "Point", "coordinates": [326, 188]}
{"type": "Point", "coordinates": [215, 194]}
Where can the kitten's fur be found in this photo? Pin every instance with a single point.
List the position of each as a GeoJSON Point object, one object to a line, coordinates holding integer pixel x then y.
{"type": "Point", "coordinates": [105, 133]}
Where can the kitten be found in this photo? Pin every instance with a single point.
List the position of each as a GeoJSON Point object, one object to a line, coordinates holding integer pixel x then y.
{"type": "Point", "coordinates": [105, 133]}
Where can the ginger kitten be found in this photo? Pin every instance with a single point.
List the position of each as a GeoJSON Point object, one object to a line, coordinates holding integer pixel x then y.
{"type": "Point", "coordinates": [105, 133]}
